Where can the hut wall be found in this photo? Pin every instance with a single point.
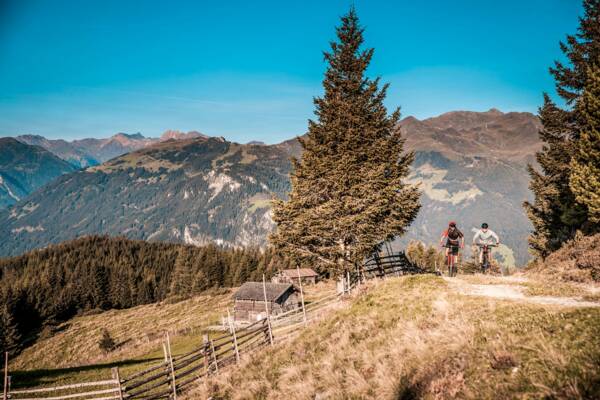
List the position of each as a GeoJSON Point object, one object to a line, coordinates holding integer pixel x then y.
{"type": "Point", "coordinates": [252, 310]}
{"type": "Point", "coordinates": [249, 310]}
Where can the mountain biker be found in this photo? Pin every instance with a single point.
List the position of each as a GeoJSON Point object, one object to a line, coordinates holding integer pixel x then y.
{"type": "Point", "coordinates": [485, 236]}
{"type": "Point", "coordinates": [453, 239]}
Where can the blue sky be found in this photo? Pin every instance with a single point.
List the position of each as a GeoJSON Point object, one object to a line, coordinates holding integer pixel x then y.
{"type": "Point", "coordinates": [248, 70]}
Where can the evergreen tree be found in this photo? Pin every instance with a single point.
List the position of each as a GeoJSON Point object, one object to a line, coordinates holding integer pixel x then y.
{"type": "Point", "coordinates": [555, 214]}
{"type": "Point", "coordinates": [553, 197]}
{"type": "Point", "coordinates": [10, 338]}
{"type": "Point", "coordinates": [585, 166]}
{"type": "Point", "coordinates": [45, 287]}
{"type": "Point", "coordinates": [182, 280]}
{"type": "Point", "coordinates": [348, 191]}
{"type": "Point", "coordinates": [581, 49]}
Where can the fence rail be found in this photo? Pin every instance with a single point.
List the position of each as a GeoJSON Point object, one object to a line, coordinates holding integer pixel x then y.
{"type": "Point", "coordinates": [74, 391]}
{"type": "Point", "coordinates": [171, 376]}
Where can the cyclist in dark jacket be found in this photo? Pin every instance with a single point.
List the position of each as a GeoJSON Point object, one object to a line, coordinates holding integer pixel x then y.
{"type": "Point", "coordinates": [452, 239]}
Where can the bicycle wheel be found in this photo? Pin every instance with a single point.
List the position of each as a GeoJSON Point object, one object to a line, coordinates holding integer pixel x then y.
{"type": "Point", "coordinates": [485, 265]}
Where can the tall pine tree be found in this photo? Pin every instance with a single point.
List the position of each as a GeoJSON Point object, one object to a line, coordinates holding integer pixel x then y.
{"type": "Point", "coordinates": [348, 191]}
{"type": "Point", "coordinates": [582, 49]}
{"type": "Point", "coordinates": [182, 280]}
{"type": "Point", "coordinates": [585, 166]}
{"type": "Point", "coordinates": [551, 185]}
{"type": "Point", "coordinates": [555, 214]}
{"type": "Point", "coordinates": [10, 337]}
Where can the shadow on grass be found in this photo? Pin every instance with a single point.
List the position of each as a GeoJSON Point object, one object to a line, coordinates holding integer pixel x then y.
{"type": "Point", "coordinates": [38, 377]}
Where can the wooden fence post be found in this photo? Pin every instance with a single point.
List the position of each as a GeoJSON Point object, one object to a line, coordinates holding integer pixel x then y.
{"type": "Point", "coordinates": [267, 311]}
{"type": "Point", "coordinates": [235, 346]}
{"type": "Point", "coordinates": [206, 350]}
{"type": "Point", "coordinates": [301, 293]}
{"type": "Point", "coordinates": [5, 397]}
{"type": "Point", "coordinates": [170, 361]}
{"type": "Point", "coordinates": [117, 377]}
{"type": "Point", "coordinates": [212, 350]}
{"type": "Point", "coordinates": [348, 280]}
{"type": "Point", "coordinates": [359, 275]}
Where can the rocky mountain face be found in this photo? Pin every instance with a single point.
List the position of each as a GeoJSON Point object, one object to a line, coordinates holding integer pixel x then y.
{"type": "Point", "coordinates": [25, 168]}
{"type": "Point", "coordinates": [89, 152]}
{"type": "Point", "coordinates": [471, 168]}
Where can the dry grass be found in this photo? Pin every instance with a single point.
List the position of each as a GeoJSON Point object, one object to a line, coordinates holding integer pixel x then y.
{"type": "Point", "coordinates": [413, 337]}
{"type": "Point", "coordinates": [480, 279]}
{"type": "Point", "coordinates": [576, 261]}
{"type": "Point", "coordinates": [542, 286]}
{"type": "Point", "coordinates": [323, 288]}
{"type": "Point", "coordinates": [403, 338]}
{"type": "Point", "coordinates": [72, 354]}
{"type": "Point", "coordinates": [137, 330]}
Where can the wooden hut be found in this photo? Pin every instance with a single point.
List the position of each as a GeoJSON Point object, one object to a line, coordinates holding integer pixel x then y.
{"type": "Point", "coordinates": [249, 300]}
{"type": "Point", "coordinates": [307, 275]}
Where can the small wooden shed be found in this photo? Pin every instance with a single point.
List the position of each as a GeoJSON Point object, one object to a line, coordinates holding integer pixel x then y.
{"type": "Point", "coordinates": [307, 275]}
{"type": "Point", "coordinates": [249, 300]}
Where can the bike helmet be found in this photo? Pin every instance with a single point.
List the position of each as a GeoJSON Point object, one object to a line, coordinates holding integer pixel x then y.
{"type": "Point", "coordinates": [452, 223]}
{"type": "Point", "coordinates": [484, 226]}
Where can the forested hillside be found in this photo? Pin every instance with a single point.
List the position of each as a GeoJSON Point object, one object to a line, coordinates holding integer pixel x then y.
{"type": "Point", "coordinates": [44, 287]}
{"type": "Point", "coordinates": [193, 191]}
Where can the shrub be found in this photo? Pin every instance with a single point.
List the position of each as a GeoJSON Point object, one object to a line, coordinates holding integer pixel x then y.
{"type": "Point", "coordinates": [577, 261]}
{"type": "Point", "coordinates": [106, 342]}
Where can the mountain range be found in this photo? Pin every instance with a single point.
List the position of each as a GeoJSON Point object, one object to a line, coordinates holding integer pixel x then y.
{"type": "Point", "coordinates": [84, 153]}
{"type": "Point", "coordinates": [25, 168]}
{"type": "Point", "coordinates": [471, 167]}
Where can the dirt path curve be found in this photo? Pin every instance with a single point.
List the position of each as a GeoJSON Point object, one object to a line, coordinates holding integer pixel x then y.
{"type": "Point", "coordinates": [513, 291]}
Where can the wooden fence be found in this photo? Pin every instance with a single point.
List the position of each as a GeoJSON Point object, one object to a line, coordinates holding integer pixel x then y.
{"type": "Point", "coordinates": [165, 379]}
{"type": "Point", "coordinates": [107, 389]}
{"type": "Point", "coordinates": [174, 374]}
{"type": "Point", "coordinates": [392, 264]}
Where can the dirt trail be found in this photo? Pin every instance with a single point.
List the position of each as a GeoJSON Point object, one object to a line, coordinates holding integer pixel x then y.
{"type": "Point", "coordinates": [513, 291]}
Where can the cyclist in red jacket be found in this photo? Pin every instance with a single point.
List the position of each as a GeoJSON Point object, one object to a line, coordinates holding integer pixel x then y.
{"type": "Point", "coordinates": [452, 239]}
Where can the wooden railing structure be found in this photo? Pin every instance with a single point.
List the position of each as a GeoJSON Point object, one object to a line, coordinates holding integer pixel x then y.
{"type": "Point", "coordinates": [107, 389]}
{"type": "Point", "coordinates": [174, 374]}
{"type": "Point", "coordinates": [165, 379]}
{"type": "Point", "coordinates": [394, 264]}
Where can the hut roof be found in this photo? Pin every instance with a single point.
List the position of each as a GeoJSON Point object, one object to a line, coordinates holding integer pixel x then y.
{"type": "Point", "coordinates": [254, 291]}
{"type": "Point", "coordinates": [304, 273]}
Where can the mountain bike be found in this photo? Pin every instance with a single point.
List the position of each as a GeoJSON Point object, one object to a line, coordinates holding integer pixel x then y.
{"type": "Point", "coordinates": [485, 259]}
{"type": "Point", "coordinates": [451, 259]}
